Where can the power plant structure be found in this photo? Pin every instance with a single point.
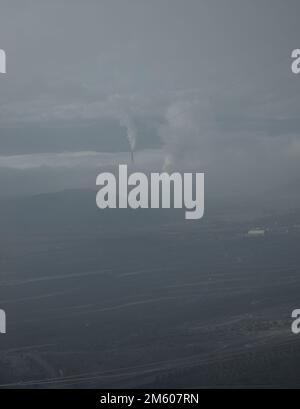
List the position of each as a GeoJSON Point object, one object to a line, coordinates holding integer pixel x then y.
{"type": "Point", "coordinates": [131, 156]}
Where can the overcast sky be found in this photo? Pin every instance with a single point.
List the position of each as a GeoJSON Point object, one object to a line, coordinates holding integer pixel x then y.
{"type": "Point", "coordinates": [202, 84]}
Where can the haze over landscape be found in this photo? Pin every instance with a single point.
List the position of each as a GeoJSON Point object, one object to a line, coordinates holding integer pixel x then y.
{"type": "Point", "coordinates": [143, 298]}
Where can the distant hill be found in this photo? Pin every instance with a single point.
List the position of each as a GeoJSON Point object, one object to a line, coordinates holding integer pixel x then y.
{"type": "Point", "coordinates": [74, 210]}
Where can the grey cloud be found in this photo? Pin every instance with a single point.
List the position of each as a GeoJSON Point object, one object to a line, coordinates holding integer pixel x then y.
{"type": "Point", "coordinates": [207, 84]}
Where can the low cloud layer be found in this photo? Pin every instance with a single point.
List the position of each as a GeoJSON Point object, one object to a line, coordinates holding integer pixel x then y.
{"type": "Point", "coordinates": [200, 86]}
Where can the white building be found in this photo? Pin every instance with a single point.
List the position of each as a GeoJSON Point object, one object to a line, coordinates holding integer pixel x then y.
{"type": "Point", "coordinates": [256, 232]}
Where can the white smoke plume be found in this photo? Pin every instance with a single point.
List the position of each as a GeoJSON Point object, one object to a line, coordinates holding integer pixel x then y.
{"type": "Point", "coordinates": [131, 131]}
{"type": "Point", "coordinates": [189, 124]}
